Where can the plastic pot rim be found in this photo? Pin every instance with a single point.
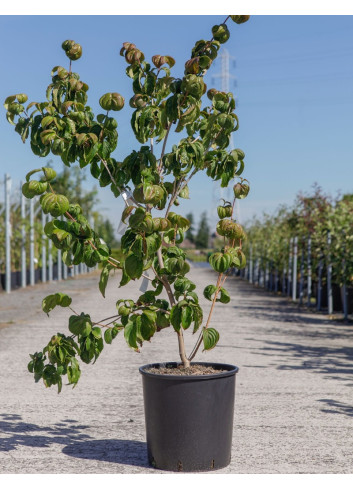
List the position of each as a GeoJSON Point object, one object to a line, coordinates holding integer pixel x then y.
{"type": "Point", "coordinates": [230, 370]}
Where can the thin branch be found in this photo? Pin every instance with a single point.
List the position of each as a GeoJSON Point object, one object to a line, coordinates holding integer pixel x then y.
{"type": "Point", "coordinates": [163, 148]}
{"type": "Point", "coordinates": [199, 341]}
{"type": "Point", "coordinates": [179, 189]}
{"type": "Point", "coordinates": [111, 317]}
{"type": "Point", "coordinates": [168, 289]}
{"type": "Point", "coordinates": [148, 278]}
{"type": "Point", "coordinates": [77, 314]}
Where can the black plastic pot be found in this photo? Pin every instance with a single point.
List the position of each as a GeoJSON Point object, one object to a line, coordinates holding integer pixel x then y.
{"type": "Point", "coordinates": [189, 419]}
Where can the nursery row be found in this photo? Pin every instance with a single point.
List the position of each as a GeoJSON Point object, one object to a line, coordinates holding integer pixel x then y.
{"type": "Point", "coordinates": [306, 252]}
{"type": "Point", "coordinates": [26, 254]}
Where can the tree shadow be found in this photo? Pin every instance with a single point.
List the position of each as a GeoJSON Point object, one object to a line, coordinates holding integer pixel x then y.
{"type": "Point", "coordinates": [330, 361]}
{"type": "Point", "coordinates": [16, 432]}
{"type": "Point", "coordinates": [263, 306]}
{"type": "Point", "coordinates": [127, 452]}
{"type": "Point", "coordinates": [337, 407]}
{"type": "Point", "coordinates": [31, 435]}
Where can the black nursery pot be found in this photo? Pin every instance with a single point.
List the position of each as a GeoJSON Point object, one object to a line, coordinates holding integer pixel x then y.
{"type": "Point", "coordinates": [189, 419]}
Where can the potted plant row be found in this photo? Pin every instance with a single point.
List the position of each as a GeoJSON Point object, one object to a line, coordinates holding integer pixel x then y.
{"type": "Point", "coordinates": [188, 406]}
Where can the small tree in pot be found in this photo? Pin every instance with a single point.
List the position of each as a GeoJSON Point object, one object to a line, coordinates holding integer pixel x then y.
{"type": "Point", "coordinates": [66, 126]}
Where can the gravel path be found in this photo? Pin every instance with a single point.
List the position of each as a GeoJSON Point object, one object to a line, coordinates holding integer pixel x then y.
{"type": "Point", "coordinates": [294, 399]}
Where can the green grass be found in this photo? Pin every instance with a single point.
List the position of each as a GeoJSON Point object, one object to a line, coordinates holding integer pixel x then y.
{"type": "Point", "coordinates": [197, 255]}
{"type": "Point", "coordinates": [116, 253]}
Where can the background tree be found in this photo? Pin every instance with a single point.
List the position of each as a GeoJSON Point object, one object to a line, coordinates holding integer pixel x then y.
{"type": "Point", "coordinates": [70, 183]}
{"type": "Point", "coordinates": [203, 233]}
{"type": "Point", "coordinates": [190, 233]}
{"type": "Point", "coordinates": [105, 229]}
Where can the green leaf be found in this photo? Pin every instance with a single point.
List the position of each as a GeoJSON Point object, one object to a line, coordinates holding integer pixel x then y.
{"type": "Point", "coordinates": [183, 285]}
{"type": "Point", "coordinates": [198, 317]}
{"type": "Point", "coordinates": [148, 324]}
{"type": "Point", "coordinates": [224, 297]}
{"type": "Point", "coordinates": [73, 371]}
{"type": "Point", "coordinates": [97, 332]}
{"type": "Point", "coordinates": [184, 192]}
{"type": "Point", "coordinates": [162, 320]}
{"type": "Point", "coordinates": [124, 279]}
{"type": "Point", "coordinates": [186, 317]}
{"type": "Point", "coordinates": [133, 266]}
{"type": "Point", "coordinates": [175, 317]}
{"type": "Point", "coordinates": [153, 243]}
{"type": "Point", "coordinates": [80, 325]}
{"type": "Point", "coordinates": [148, 317]}
{"type": "Point", "coordinates": [209, 291]}
{"type": "Point", "coordinates": [130, 335]}
{"type": "Point", "coordinates": [210, 338]}
{"type": "Point", "coordinates": [104, 277]}
{"type": "Point", "coordinates": [126, 213]}
{"type": "Point", "coordinates": [108, 335]}
{"type": "Point", "coordinates": [117, 327]}
{"type": "Point", "coordinates": [55, 204]}
{"type": "Point", "coordinates": [29, 174]}
{"type": "Point", "coordinates": [53, 300]}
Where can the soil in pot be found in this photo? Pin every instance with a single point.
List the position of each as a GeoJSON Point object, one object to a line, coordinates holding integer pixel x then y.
{"type": "Point", "coordinates": [194, 369]}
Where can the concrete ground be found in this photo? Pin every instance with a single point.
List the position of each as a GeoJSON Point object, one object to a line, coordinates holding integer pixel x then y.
{"type": "Point", "coordinates": [294, 398]}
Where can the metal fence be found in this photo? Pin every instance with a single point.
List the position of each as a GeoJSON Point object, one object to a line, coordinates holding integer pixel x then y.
{"type": "Point", "coordinates": [295, 279]}
{"type": "Point", "coordinates": [36, 259]}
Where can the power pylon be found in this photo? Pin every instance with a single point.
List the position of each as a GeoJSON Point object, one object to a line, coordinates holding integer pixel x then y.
{"type": "Point", "coordinates": [226, 77]}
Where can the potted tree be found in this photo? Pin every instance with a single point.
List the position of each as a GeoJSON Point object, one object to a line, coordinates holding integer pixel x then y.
{"type": "Point", "coordinates": [188, 406]}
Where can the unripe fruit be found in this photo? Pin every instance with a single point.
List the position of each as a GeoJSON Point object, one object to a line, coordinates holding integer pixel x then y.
{"type": "Point", "coordinates": [211, 93]}
{"type": "Point", "coordinates": [127, 46]}
{"type": "Point", "coordinates": [225, 121]}
{"type": "Point", "coordinates": [161, 224]}
{"type": "Point", "coordinates": [192, 66]}
{"type": "Point", "coordinates": [75, 85]}
{"type": "Point", "coordinates": [241, 190]}
{"type": "Point", "coordinates": [230, 229]}
{"type": "Point", "coordinates": [22, 98]}
{"type": "Point", "coordinates": [27, 191]}
{"type": "Point", "coordinates": [146, 225]}
{"type": "Point", "coordinates": [138, 194]}
{"type": "Point", "coordinates": [124, 310]}
{"type": "Point", "coordinates": [49, 174]}
{"type": "Point", "coordinates": [224, 211]}
{"type": "Point", "coordinates": [134, 56]}
{"type": "Point", "coordinates": [220, 261]}
{"type": "Point", "coordinates": [37, 187]}
{"type": "Point", "coordinates": [159, 60]}
{"type": "Point", "coordinates": [55, 204]}
{"type": "Point", "coordinates": [240, 19]}
{"type": "Point", "coordinates": [72, 49]}
{"type": "Point", "coordinates": [138, 101]}
{"type": "Point", "coordinates": [15, 108]}
{"type": "Point", "coordinates": [220, 33]}
{"type": "Point", "coordinates": [194, 85]}
{"type": "Point", "coordinates": [241, 154]}
{"type": "Point", "coordinates": [112, 101]}
{"type": "Point", "coordinates": [111, 123]}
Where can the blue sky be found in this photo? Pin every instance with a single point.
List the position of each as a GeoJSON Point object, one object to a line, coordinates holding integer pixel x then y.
{"type": "Point", "coordinates": [294, 89]}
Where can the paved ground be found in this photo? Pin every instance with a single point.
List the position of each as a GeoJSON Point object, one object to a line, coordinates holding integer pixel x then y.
{"type": "Point", "coordinates": [294, 399]}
